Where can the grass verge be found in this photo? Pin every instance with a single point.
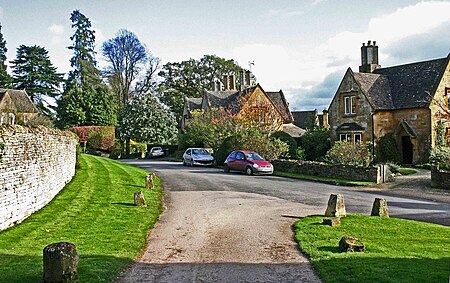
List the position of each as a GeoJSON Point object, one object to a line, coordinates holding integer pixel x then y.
{"type": "Point", "coordinates": [96, 212]}
{"type": "Point", "coordinates": [322, 179]}
{"type": "Point", "coordinates": [397, 250]}
{"type": "Point", "coordinates": [406, 171]}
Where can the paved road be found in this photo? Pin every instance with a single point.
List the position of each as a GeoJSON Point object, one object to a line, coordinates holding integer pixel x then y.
{"type": "Point", "coordinates": [229, 227]}
{"type": "Point", "coordinates": [358, 200]}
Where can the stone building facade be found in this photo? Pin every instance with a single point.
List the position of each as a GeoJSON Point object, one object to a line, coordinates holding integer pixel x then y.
{"type": "Point", "coordinates": [405, 101]}
{"type": "Point", "coordinates": [16, 107]}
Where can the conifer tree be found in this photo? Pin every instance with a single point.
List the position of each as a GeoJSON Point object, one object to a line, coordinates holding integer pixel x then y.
{"type": "Point", "coordinates": [5, 78]}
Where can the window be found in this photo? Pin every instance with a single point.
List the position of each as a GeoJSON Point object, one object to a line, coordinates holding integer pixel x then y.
{"type": "Point", "coordinates": [349, 105]}
{"type": "Point", "coordinates": [357, 138]}
{"type": "Point", "coordinates": [345, 137]}
{"type": "Point", "coordinates": [240, 156]}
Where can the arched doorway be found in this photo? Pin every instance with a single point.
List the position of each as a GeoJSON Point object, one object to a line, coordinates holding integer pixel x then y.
{"type": "Point", "coordinates": [407, 150]}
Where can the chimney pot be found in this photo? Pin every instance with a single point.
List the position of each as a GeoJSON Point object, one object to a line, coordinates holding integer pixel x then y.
{"type": "Point", "coordinates": [374, 43]}
{"type": "Point", "coordinates": [368, 42]}
{"type": "Point", "coordinates": [364, 44]}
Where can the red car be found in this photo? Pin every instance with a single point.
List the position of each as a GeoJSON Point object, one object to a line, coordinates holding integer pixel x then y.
{"type": "Point", "coordinates": [248, 162]}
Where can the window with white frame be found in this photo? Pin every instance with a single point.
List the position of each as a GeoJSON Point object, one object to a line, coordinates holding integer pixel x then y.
{"type": "Point", "coordinates": [349, 105]}
{"type": "Point", "coordinates": [345, 137]}
{"type": "Point", "coordinates": [357, 138]}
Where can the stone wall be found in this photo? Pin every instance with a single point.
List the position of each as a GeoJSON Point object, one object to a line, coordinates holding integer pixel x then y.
{"type": "Point", "coordinates": [372, 174]}
{"type": "Point", "coordinates": [35, 164]}
{"type": "Point", "coordinates": [440, 179]}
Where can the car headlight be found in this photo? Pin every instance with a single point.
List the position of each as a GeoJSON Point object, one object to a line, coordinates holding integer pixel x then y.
{"type": "Point", "coordinates": [255, 165]}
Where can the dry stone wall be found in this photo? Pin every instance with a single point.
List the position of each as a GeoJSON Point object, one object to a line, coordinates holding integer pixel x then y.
{"type": "Point", "coordinates": [35, 164]}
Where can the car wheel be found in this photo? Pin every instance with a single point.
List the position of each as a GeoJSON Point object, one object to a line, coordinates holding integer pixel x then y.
{"type": "Point", "coordinates": [249, 171]}
{"type": "Point", "coordinates": [184, 162]}
{"type": "Point", "coordinates": [226, 169]}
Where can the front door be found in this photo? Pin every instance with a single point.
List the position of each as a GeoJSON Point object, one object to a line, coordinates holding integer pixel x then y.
{"type": "Point", "coordinates": [407, 150]}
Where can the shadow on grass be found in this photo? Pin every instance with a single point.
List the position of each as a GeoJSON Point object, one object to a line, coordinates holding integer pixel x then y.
{"type": "Point", "coordinates": [367, 268]}
{"type": "Point", "coordinates": [91, 268]}
{"type": "Point", "coordinates": [124, 203]}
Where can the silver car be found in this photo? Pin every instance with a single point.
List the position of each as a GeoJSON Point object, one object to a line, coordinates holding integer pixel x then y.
{"type": "Point", "coordinates": [197, 156]}
{"type": "Point", "coordinates": [156, 152]}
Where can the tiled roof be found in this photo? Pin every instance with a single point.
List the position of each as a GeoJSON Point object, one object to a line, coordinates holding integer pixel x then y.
{"type": "Point", "coordinates": [412, 85]}
{"type": "Point", "coordinates": [293, 130]}
{"type": "Point", "coordinates": [20, 99]}
{"type": "Point", "coordinates": [280, 102]}
{"type": "Point", "coordinates": [193, 103]}
{"type": "Point", "coordinates": [376, 87]}
{"type": "Point", "coordinates": [305, 119]}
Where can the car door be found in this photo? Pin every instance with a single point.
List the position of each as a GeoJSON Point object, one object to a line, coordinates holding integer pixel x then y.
{"type": "Point", "coordinates": [188, 156]}
{"type": "Point", "coordinates": [240, 161]}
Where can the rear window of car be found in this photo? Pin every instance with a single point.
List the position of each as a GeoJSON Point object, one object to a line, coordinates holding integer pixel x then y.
{"type": "Point", "coordinates": [233, 155]}
{"type": "Point", "coordinates": [156, 148]}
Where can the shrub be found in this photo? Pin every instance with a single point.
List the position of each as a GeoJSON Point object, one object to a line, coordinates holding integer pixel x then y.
{"type": "Point", "coordinates": [440, 157]}
{"type": "Point", "coordinates": [388, 150]}
{"type": "Point", "coordinates": [394, 168]}
{"type": "Point", "coordinates": [251, 139]}
{"type": "Point", "coordinates": [300, 153]}
{"type": "Point", "coordinates": [316, 143]}
{"type": "Point", "coordinates": [97, 137]}
{"type": "Point", "coordinates": [345, 153]}
{"type": "Point", "coordinates": [292, 143]}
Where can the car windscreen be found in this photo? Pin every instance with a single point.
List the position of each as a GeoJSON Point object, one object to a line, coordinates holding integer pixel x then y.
{"type": "Point", "coordinates": [156, 149]}
{"type": "Point", "coordinates": [200, 151]}
{"type": "Point", "coordinates": [253, 156]}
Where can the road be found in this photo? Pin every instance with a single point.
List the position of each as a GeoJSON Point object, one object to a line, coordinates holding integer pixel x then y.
{"type": "Point", "coordinates": [230, 227]}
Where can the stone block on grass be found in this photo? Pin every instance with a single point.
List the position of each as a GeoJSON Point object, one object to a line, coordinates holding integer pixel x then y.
{"type": "Point", "coordinates": [336, 206]}
{"type": "Point", "coordinates": [380, 208]}
{"type": "Point", "coordinates": [351, 244]}
{"type": "Point", "coordinates": [332, 221]}
{"type": "Point", "coordinates": [60, 263]}
{"type": "Point", "coordinates": [139, 199]}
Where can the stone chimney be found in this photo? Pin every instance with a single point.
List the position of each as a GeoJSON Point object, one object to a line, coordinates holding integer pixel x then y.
{"type": "Point", "coordinates": [369, 57]}
{"type": "Point", "coordinates": [217, 85]}
{"type": "Point", "coordinates": [229, 82]}
{"type": "Point", "coordinates": [245, 79]}
{"type": "Point", "coordinates": [325, 119]}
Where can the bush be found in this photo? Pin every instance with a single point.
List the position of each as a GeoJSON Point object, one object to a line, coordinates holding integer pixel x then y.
{"type": "Point", "coordinates": [440, 157]}
{"type": "Point", "coordinates": [394, 168]}
{"type": "Point", "coordinates": [316, 143]}
{"type": "Point", "coordinates": [251, 139]}
{"type": "Point", "coordinates": [292, 143]}
{"type": "Point", "coordinates": [300, 153]}
{"type": "Point", "coordinates": [97, 137]}
{"type": "Point", "coordinates": [345, 153]}
{"type": "Point", "coordinates": [388, 150]}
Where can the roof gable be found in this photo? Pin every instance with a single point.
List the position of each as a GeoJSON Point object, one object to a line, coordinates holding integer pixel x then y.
{"type": "Point", "coordinates": [20, 99]}
{"type": "Point", "coordinates": [376, 88]}
{"type": "Point", "coordinates": [280, 102]}
{"type": "Point", "coordinates": [305, 119]}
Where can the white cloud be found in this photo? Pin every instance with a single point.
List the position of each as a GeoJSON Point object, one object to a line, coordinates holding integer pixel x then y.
{"type": "Point", "coordinates": [99, 37]}
{"type": "Point", "coordinates": [1, 13]}
{"type": "Point", "coordinates": [276, 13]}
{"type": "Point", "coordinates": [317, 2]}
{"type": "Point", "coordinates": [56, 29]}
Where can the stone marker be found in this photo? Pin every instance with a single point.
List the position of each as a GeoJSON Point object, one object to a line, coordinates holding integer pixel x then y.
{"type": "Point", "coordinates": [139, 199]}
{"type": "Point", "coordinates": [350, 244]}
{"type": "Point", "coordinates": [336, 206]}
{"type": "Point", "coordinates": [332, 221]}
{"type": "Point", "coordinates": [150, 181]}
{"type": "Point", "coordinates": [380, 208]}
{"type": "Point", "coordinates": [60, 263]}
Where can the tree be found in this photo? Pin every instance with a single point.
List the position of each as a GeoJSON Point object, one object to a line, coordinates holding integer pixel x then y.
{"type": "Point", "coordinates": [316, 143]}
{"type": "Point", "coordinates": [144, 119]}
{"type": "Point", "coordinates": [5, 78]}
{"type": "Point", "coordinates": [34, 72]}
{"type": "Point", "coordinates": [190, 78]}
{"type": "Point", "coordinates": [127, 57]}
{"type": "Point", "coordinates": [86, 100]}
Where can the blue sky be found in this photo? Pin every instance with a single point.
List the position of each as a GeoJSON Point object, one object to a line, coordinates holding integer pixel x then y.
{"type": "Point", "coordinates": [301, 47]}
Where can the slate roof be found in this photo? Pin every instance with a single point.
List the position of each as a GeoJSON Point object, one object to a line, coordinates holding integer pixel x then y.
{"type": "Point", "coordinates": [21, 100]}
{"type": "Point", "coordinates": [228, 99]}
{"type": "Point", "coordinates": [304, 119]}
{"type": "Point", "coordinates": [280, 102]}
{"type": "Point", "coordinates": [193, 103]}
{"type": "Point", "coordinates": [404, 86]}
{"type": "Point", "coordinates": [377, 89]}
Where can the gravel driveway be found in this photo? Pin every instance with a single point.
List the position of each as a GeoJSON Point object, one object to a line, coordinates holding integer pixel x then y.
{"type": "Point", "coordinates": [235, 228]}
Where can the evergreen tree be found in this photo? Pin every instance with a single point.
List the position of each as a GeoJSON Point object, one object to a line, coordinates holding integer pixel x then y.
{"type": "Point", "coordinates": [86, 100]}
{"type": "Point", "coordinates": [5, 79]}
{"type": "Point", "coordinates": [34, 72]}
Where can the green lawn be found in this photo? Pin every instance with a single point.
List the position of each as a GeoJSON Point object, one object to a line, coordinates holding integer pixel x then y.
{"type": "Point", "coordinates": [406, 171]}
{"type": "Point", "coordinates": [322, 179]}
{"type": "Point", "coordinates": [95, 211]}
{"type": "Point", "coordinates": [397, 250]}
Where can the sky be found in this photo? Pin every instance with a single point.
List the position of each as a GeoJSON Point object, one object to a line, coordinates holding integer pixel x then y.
{"type": "Point", "coordinates": [302, 47]}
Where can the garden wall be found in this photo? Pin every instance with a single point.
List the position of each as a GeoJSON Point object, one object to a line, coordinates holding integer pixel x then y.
{"type": "Point", "coordinates": [440, 179]}
{"type": "Point", "coordinates": [372, 174]}
{"type": "Point", "coordinates": [35, 164]}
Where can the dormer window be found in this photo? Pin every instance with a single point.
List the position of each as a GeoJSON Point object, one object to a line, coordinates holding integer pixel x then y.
{"type": "Point", "coordinates": [349, 105]}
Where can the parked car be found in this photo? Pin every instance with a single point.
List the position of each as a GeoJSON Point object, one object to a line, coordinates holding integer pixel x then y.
{"type": "Point", "coordinates": [197, 156]}
{"type": "Point", "coordinates": [248, 162]}
{"type": "Point", "coordinates": [156, 152]}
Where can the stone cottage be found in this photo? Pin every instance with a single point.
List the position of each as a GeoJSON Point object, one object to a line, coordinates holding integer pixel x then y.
{"type": "Point", "coordinates": [405, 101]}
{"type": "Point", "coordinates": [16, 107]}
{"type": "Point", "coordinates": [250, 101]}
